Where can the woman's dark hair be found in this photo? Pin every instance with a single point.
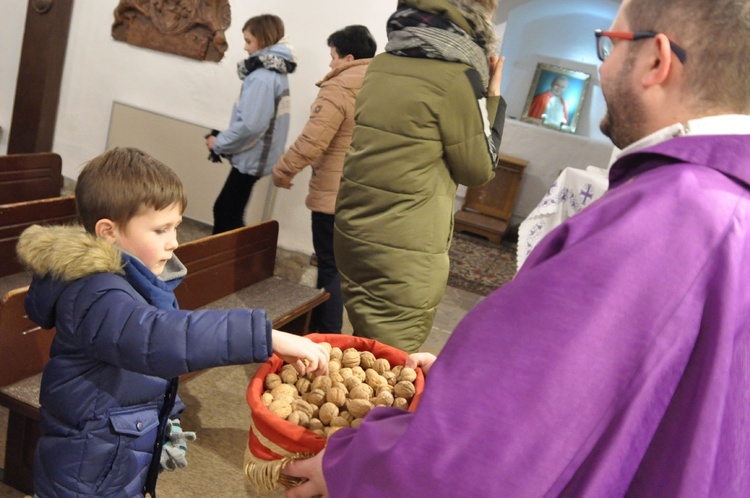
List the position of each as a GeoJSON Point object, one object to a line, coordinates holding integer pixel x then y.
{"type": "Point", "coordinates": [353, 40]}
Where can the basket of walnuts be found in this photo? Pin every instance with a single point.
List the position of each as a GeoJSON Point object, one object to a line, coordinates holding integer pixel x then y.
{"type": "Point", "coordinates": [293, 415]}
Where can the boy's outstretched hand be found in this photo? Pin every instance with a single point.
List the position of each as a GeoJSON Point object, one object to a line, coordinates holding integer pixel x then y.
{"type": "Point", "coordinates": [293, 349]}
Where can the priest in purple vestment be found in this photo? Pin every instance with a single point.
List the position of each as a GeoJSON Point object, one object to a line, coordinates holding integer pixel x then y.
{"type": "Point", "coordinates": [617, 362]}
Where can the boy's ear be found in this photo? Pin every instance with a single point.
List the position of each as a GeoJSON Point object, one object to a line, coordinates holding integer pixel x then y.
{"type": "Point", "coordinates": [106, 229]}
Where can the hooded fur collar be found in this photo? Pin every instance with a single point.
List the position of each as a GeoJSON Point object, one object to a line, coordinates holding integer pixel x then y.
{"type": "Point", "coordinates": [67, 253]}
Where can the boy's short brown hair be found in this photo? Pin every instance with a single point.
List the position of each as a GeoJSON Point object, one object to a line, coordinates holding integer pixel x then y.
{"type": "Point", "coordinates": [119, 183]}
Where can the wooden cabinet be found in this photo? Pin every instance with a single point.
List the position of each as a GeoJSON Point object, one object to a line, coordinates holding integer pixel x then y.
{"type": "Point", "coordinates": [487, 209]}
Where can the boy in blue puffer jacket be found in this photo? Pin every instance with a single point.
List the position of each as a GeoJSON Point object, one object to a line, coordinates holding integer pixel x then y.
{"type": "Point", "coordinates": [109, 390]}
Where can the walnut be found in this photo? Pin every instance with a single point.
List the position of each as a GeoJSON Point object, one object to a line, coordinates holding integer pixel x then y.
{"type": "Point", "coordinates": [352, 382]}
{"type": "Point", "coordinates": [341, 386]}
{"type": "Point", "coordinates": [315, 397]}
{"type": "Point", "coordinates": [336, 395]}
{"type": "Point", "coordinates": [381, 365]}
{"type": "Point", "coordinates": [359, 407]}
{"type": "Point", "coordinates": [289, 370]}
{"type": "Point", "coordinates": [272, 380]}
{"type": "Point", "coordinates": [350, 358]}
{"type": "Point", "coordinates": [407, 374]}
{"type": "Point", "coordinates": [327, 412]}
{"type": "Point", "coordinates": [374, 379]}
{"type": "Point", "coordinates": [401, 403]}
{"type": "Point", "coordinates": [334, 366]}
{"type": "Point", "coordinates": [280, 408]}
{"type": "Point", "coordinates": [366, 359]}
{"type": "Point", "coordinates": [323, 383]}
{"type": "Point", "coordinates": [315, 424]}
{"type": "Point", "coordinates": [390, 377]}
{"type": "Point", "coordinates": [385, 398]}
{"type": "Point", "coordinates": [320, 432]}
{"type": "Point", "coordinates": [330, 431]}
{"type": "Point", "coordinates": [303, 385]}
{"type": "Point", "coordinates": [397, 369]}
{"type": "Point", "coordinates": [346, 416]}
{"type": "Point", "coordinates": [286, 398]}
{"type": "Point", "coordinates": [339, 422]}
{"type": "Point", "coordinates": [380, 389]}
{"type": "Point", "coordinates": [336, 353]}
{"type": "Point", "coordinates": [362, 391]}
{"type": "Point", "coordinates": [336, 377]}
{"type": "Point", "coordinates": [303, 406]}
{"type": "Point", "coordinates": [355, 423]}
{"type": "Point", "coordinates": [359, 372]}
{"type": "Point", "coordinates": [404, 389]}
{"type": "Point", "coordinates": [299, 418]}
{"type": "Point", "coordinates": [266, 398]}
{"type": "Point", "coordinates": [284, 389]}
{"type": "Point", "coordinates": [289, 376]}
{"type": "Point", "coordinates": [345, 372]}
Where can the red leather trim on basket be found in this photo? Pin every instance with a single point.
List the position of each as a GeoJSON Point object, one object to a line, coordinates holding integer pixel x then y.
{"type": "Point", "coordinates": [289, 436]}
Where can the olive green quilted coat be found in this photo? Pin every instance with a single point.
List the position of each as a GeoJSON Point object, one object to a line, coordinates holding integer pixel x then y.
{"type": "Point", "coordinates": [421, 128]}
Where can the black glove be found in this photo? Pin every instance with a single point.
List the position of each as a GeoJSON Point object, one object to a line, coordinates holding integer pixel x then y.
{"type": "Point", "coordinates": [213, 156]}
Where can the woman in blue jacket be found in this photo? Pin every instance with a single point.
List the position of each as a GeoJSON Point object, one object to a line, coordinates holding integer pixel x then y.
{"type": "Point", "coordinates": [259, 124]}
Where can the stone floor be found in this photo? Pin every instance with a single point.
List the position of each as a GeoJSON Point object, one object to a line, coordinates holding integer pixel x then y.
{"type": "Point", "coordinates": [294, 266]}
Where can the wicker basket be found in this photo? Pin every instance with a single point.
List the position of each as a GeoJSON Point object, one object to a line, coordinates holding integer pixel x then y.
{"type": "Point", "coordinates": [273, 441]}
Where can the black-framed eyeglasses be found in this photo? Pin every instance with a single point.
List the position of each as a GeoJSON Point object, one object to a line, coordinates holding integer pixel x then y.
{"type": "Point", "coordinates": [604, 42]}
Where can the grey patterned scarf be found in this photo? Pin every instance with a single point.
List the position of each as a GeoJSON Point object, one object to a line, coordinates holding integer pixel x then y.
{"type": "Point", "coordinates": [413, 33]}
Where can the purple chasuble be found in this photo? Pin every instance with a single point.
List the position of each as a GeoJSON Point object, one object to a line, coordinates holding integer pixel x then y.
{"type": "Point", "coordinates": [616, 363]}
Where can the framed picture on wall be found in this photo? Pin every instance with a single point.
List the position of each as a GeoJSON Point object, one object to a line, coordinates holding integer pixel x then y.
{"type": "Point", "coordinates": [556, 97]}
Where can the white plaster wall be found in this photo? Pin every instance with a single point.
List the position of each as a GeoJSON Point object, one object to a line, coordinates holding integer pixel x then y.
{"type": "Point", "coordinates": [12, 19]}
{"type": "Point", "coordinates": [100, 70]}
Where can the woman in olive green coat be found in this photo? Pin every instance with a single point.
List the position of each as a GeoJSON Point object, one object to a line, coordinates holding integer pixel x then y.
{"type": "Point", "coordinates": [429, 116]}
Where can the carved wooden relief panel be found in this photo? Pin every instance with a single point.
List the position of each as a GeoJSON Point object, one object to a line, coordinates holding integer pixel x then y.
{"type": "Point", "coordinates": [191, 28]}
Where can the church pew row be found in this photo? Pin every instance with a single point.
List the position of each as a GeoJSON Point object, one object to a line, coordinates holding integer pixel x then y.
{"type": "Point", "coordinates": [27, 177]}
{"type": "Point", "coordinates": [16, 217]}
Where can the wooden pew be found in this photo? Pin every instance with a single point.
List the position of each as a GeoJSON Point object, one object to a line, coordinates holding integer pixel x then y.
{"type": "Point", "coordinates": [225, 271]}
{"type": "Point", "coordinates": [26, 177]}
{"type": "Point", "coordinates": [16, 217]}
{"type": "Point", "coordinates": [235, 270]}
{"type": "Point", "coordinates": [24, 349]}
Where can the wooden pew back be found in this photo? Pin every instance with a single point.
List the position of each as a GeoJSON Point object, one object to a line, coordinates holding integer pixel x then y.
{"type": "Point", "coordinates": [25, 346]}
{"type": "Point", "coordinates": [236, 259]}
{"type": "Point", "coordinates": [15, 218]}
{"type": "Point", "coordinates": [26, 177]}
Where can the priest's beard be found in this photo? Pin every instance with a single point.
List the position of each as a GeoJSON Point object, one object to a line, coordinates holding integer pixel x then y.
{"type": "Point", "coordinates": [625, 113]}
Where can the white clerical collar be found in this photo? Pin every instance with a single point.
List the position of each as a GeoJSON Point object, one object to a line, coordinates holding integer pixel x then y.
{"type": "Point", "coordinates": [725, 124]}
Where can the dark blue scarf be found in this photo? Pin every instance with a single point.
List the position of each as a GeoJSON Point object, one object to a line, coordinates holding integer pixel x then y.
{"type": "Point", "coordinates": [157, 292]}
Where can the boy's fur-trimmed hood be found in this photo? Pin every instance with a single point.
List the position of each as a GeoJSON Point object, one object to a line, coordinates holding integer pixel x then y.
{"type": "Point", "coordinates": [67, 253]}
